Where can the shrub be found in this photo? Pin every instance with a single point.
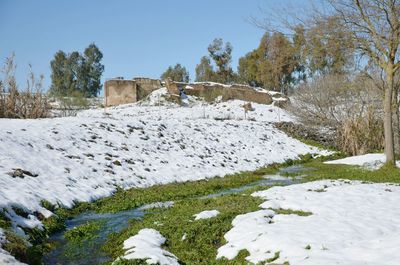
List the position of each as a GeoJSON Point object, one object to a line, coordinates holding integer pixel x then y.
{"type": "Point", "coordinates": [30, 103]}
{"type": "Point", "coordinates": [348, 105]}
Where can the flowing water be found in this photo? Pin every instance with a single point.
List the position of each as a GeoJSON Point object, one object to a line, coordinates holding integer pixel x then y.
{"type": "Point", "coordinates": [89, 252]}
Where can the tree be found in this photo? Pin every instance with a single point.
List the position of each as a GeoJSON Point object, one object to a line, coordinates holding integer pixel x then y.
{"type": "Point", "coordinates": [92, 70]}
{"type": "Point", "coordinates": [271, 65]}
{"type": "Point", "coordinates": [375, 29]}
{"type": "Point", "coordinates": [222, 56]}
{"type": "Point", "coordinates": [204, 70]}
{"type": "Point", "coordinates": [57, 65]}
{"type": "Point", "coordinates": [176, 73]}
{"type": "Point", "coordinates": [77, 73]}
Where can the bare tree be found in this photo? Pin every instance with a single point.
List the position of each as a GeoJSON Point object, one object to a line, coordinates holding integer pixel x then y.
{"type": "Point", "coordinates": [375, 28]}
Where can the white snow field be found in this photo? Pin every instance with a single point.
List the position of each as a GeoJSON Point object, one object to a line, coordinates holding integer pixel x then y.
{"type": "Point", "coordinates": [206, 214]}
{"type": "Point", "coordinates": [65, 160]}
{"type": "Point", "coordinates": [147, 245]}
{"type": "Point", "coordinates": [351, 223]}
{"type": "Point", "coordinates": [368, 161]}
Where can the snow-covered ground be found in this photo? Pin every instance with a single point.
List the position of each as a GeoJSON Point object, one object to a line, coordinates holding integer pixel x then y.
{"type": "Point", "coordinates": [351, 223]}
{"type": "Point", "coordinates": [368, 161]}
{"type": "Point", "coordinates": [65, 160]}
{"type": "Point", "coordinates": [147, 245]}
{"type": "Point", "coordinates": [206, 214]}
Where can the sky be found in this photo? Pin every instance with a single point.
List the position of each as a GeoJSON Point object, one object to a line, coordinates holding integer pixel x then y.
{"type": "Point", "coordinates": [137, 37]}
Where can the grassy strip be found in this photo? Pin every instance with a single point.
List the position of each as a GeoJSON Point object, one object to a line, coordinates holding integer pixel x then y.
{"type": "Point", "coordinates": [329, 171]}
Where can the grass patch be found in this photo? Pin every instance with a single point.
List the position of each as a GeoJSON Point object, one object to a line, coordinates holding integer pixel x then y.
{"type": "Point", "coordinates": [84, 232]}
{"type": "Point", "coordinates": [202, 237]}
{"type": "Point", "coordinates": [330, 171]}
{"type": "Point", "coordinates": [290, 211]}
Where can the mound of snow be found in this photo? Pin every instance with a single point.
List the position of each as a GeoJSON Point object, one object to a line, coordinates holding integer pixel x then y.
{"type": "Point", "coordinates": [147, 245]}
{"type": "Point", "coordinates": [206, 214]}
{"type": "Point", "coordinates": [83, 158]}
{"type": "Point", "coordinates": [369, 161]}
{"type": "Point", "coordinates": [351, 223]}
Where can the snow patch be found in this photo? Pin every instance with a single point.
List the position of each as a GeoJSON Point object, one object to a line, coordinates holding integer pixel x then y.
{"type": "Point", "coordinates": [206, 214]}
{"type": "Point", "coordinates": [155, 205]}
{"type": "Point", "coordinates": [368, 161]}
{"type": "Point", "coordinates": [147, 245]}
{"type": "Point", "coordinates": [351, 223]}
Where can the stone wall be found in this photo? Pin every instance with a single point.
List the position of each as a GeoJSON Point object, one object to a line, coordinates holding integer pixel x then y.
{"type": "Point", "coordinates": [145, 86]}
{"type": "Point", "coordinates": [211, 91]}
{"type": "Point", "coordinates": [119, 91]}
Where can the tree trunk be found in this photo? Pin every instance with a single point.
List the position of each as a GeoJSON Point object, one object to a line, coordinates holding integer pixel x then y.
{"type": "Point", "coordinates": [387, 121]}
{"type": "Point", "coordinates": [396, 121]}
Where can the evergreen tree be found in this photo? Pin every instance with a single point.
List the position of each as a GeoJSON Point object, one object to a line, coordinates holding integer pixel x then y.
{"type": "Point", "coordinates": [92, 70]}
{"type": "Point", "coordinates": [77, 73]}
{"type": "Point", "coordinates": [204, 70]}
{"type": "Point", "coordinates": [58, 86]}
{"type": "Point", "coordinates": [222, 56]}
{"type": "Point", "coordinates": [176, 73]}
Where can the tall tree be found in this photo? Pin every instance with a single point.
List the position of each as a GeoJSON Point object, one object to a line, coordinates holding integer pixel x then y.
{"type": "Point", "coordinates": [271, 65]}
{"type": "Point", "coordinates": [92, 70]}
{"type": "Point", "coordinates": [222, 56]}
{"type": "Point", "coordinates": [375, 29]}
{"type": "Point", "coordinates": [58, 87]}
{"type": "Point", "coordinates": [176, 73]}
{"type": "Point", "coordinates": [204, 70]}
{"type": "Point", "coordinates": [76, 72]}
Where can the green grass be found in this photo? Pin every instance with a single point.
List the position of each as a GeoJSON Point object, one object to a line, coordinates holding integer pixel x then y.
{"type": "Point", "coordinates": [203, 237]}
{"type": "Point", "coordinates": [290, 211]}
{"type": "Point", "coordinates": [84, 232]}
{"type": "Point", "coordinates": [328, 171]}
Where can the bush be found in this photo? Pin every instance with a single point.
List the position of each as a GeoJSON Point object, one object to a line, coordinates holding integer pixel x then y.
{"type": "Point", "coordinates": [348, 105]}
{"type": "Point", "coordinates": [72, 103]}
{"type": "Point", "coordinates": [28, 104]}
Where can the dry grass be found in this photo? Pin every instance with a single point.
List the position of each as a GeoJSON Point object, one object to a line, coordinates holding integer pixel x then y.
{"type": "Point", "coordinates": [30, 103]}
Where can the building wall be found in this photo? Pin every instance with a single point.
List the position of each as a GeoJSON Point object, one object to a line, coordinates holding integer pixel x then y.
{"type": "Point", "coordinates": [119, 91]}
{"type": "Point", "coordinates": [145, 86]}
{"type": "Point", "coordinates": [212, 91]}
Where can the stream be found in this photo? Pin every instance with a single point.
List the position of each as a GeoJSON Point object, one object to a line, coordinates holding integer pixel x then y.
{"type": "Point", "coordinates": [90, 252]}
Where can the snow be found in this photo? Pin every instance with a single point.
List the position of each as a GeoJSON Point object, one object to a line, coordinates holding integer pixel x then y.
{"type": "Point", "coordinates": [206, 214]}
{"type": "Point", "coordinates": [84, 158]}
{"type": "Point", "coordinates": [147, 245]}
{"type": "Point", "coordinates": [156, 205]}
{"type": "Point", "coordinates": [351, 223]}
{"type": "Point", "coordinates": [368, 161]}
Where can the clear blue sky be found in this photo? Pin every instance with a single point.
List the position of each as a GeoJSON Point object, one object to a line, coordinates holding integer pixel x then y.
{"type": "Point", "coordinates": [137, 37]}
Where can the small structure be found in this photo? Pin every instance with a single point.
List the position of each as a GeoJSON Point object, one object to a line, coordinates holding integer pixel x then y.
{"type": "Point", "coordinates": [210, 91]}
{"type": "Point", "coordinates": [118, 91]}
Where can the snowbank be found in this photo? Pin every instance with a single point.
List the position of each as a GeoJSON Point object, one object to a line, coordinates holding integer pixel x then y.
{"type": "Point", "coordinates": [206, 214]}
{"type": "Point", "coordinates": [147, 245]}
{"type": "Point", "coordinates": [351, 223]}
{"type": "Point", "coordinates": [83, 158]}
{"type": "Point", "coordinates": [369, 161]}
